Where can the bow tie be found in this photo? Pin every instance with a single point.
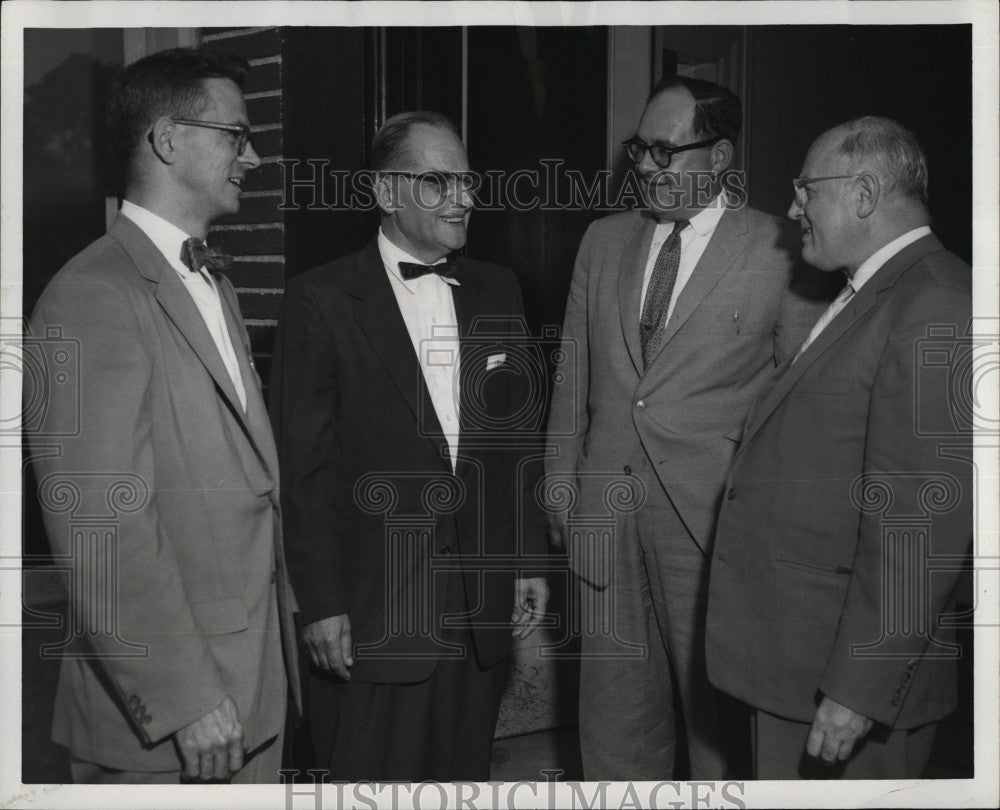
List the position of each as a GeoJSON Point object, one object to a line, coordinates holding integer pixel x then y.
{"type": "Point", "coordinates": [196, 254]}
{"type": "Point", "coordinates": [445, 269]}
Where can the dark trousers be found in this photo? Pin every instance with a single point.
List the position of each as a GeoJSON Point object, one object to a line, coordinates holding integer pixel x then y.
{"type": "Point", "coordinates": [439, 729]}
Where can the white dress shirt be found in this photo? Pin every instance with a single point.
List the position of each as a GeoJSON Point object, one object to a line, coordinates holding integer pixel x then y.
{"type": "Point", "coordinates": [694, 239]}
{"type": "Point", "coordinates": [168, 239]}
{"type": "Point", "coordinates": [428, 311]}
{"type": "Point", "coordinates": [865, 271]}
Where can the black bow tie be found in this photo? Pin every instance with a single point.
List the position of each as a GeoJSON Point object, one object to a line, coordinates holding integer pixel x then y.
{"type": "Point", "coordinates": [445, 269]}
{"type": "Point", "coordinates": [196, 254]}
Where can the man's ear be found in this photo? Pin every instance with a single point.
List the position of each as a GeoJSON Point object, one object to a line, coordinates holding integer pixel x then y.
{"type": "Point", "coordinates": [385, 194]}
{"type": "Point", "coordinates": [161, 139]}
{"type": "Point", "coordinates": [869, 190]}
{"type": "Point", "coordinates": [722, 155]}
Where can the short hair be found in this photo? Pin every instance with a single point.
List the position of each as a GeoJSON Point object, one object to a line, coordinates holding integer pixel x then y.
{"type": "Point", "coordinates": [717, 110]}
{"type": "Point", "coordinates": [165, 83]}
{"type": "Point", "coordinates": [389, 148]}
{"type": "Point", "coordinates": [892, 150]}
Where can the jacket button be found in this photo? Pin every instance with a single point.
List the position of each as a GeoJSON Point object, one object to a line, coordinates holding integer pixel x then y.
{"type": "Point", "coordinates": [445, 550]}
{"type": "Point", "coordinates": [897, 702]}
{"type": "Point", "coordinates": [640, 405]}
{"type": "Point", "coordinates": [627, 470]}
{"type": "Point", "coordinates": [732, 493]}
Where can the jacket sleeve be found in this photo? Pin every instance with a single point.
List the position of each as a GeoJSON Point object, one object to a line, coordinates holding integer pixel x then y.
{"type": "Point", "coordinates": [526, 398]}
{"type": "Point", "coordinates": [568, 420]}
{"type": "Point", "coordinates": [916, 500]}
{"type": "Point", "coordinates": [167, 677]}
{"type": "Point", "coordinates": [303, 400]}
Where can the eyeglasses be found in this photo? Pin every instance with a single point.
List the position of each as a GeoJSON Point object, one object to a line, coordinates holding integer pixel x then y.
{"type": "Point", "coordinates": [241, 131]}
{"type": "Point", "coordinates": [800, 183]}
{"type": "Point", "coordinates": [636, 149]}
{"type": "Point", "coordinates": [441, 184]}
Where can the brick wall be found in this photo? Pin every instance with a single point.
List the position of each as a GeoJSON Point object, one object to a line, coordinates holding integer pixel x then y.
{"type": "Point", "coordinates": [256, 235]}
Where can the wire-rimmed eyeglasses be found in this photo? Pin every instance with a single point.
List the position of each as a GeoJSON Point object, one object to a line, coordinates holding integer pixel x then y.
{"type": "Point", "coordinates": [241, 131]}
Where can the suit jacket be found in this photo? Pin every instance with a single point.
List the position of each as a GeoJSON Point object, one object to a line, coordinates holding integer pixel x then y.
{"type": "Point", "coordinates": [735, 319]}
{"type": "Point", "coordinates": [151, 460]}
{"type": "Point", "coordinates": [373, 513]}
{"type": "Point", "coordinates": [850, 474]}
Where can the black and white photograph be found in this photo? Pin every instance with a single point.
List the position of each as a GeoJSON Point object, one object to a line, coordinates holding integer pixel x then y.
{"type": "Point", "coordinates": [500, 404]}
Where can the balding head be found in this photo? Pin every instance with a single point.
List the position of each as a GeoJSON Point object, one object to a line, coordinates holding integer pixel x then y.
{"type": "Point", "coordinates": [863, 184]}
{"type": "Point", "coordinates": [890, 150]}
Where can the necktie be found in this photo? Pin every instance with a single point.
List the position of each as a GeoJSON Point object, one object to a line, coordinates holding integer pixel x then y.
{"type": "Point", "coordinates": [659, 292]}
{"type": "Point", "coordinates": [832, 311]}
{"type": "Point", "coordinates": [196, 254]}
{"type": "Point", "coordinates": [445, 269]}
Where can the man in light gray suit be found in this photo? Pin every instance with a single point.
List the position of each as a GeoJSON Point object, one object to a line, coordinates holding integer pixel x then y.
{"type": "Point", "coordinates": [675, 316]}
{"type": "Point", "coordinates": [181, 670]}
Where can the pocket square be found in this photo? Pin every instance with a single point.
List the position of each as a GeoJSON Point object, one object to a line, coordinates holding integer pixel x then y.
{"type": "Point", "coordinates": [495, 360]}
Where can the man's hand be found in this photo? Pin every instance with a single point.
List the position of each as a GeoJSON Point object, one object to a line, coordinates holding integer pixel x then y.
{"type": "Point", "coordinates": [835, 731]}
{"type": "Point", "coordinates": [558, 532]}
{"type": "Point", "coordinates": [212, 747]}
{"type": "Point", "coordinates": [329, 644]}
{"type": "Point", "coordinates": [531, 596]}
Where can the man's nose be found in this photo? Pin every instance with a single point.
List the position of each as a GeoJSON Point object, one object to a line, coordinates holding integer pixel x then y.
{"type": "Point", "coordinates": [795, 209]}
{"type": "Point", "coordinates": [460, 195]}
{"type": "Point", "coordinates": [647, 165]}
{"type": "Point", "coordinates": [250, 157]}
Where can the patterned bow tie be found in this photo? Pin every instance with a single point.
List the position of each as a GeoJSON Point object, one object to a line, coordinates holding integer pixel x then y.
{"type": "Point", "coordinates": [196, 254]}
{"type": "Point", "coordinates": [445, 269]}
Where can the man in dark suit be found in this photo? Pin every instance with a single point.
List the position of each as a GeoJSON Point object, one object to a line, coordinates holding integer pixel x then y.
{"type": "Point", "coordinates": [180, 673]}
{"type": "Point", "coordinates": [852, 476]}
{"type": "Point", "coordinates": [396, 393]}
{"type": "Point", "coordinates": [675, 316]}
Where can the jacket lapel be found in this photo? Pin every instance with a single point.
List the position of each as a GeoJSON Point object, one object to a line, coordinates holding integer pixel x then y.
{"type": "Point", "coordinates": [178, 304]}
{"type": "Point", "coordinates": [256, 414]}
{"type": "Point", "coordinates": [789, 374]}
{"type": "Point", "coordinates": [378, 315]}
{"type": "Point", "coordinates": [468, 304]}
{"type": "Point", "coordinates": [630, 277]}
{"type": "Point", "coordinates": [727, 242]}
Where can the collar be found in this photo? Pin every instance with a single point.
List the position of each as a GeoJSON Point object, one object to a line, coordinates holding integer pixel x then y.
{"type": "Point", "coordinates": [392, 255]}
{"type": "Point", "coordinates": [706, 220]}
{"type": "Point", "coordinates": [167, 237]}
{"type": "Point", "coordinates": [871, 265]}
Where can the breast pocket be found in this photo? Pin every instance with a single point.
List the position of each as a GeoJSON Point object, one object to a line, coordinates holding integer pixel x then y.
{"type": "Point", "coordinates": [218, 617]}
{"type": "Point", "coordinates": [737, 320]}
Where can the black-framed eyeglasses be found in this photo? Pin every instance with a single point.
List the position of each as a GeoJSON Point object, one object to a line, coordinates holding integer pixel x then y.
{"type": "Point", "coordinates": [441, 184]}
{"type": "Point", "coordinates": [800, 183]}
{"type": "Point", "coordinates": [241, 131]}
{"type": "Point", "coordinates": [636, 149]}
